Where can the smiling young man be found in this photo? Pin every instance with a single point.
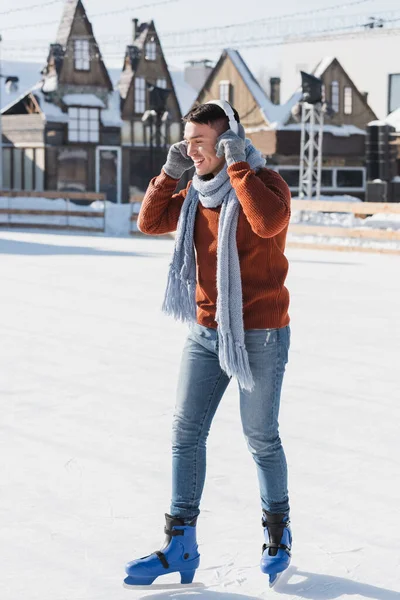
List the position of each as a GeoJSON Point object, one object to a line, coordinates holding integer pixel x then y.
{"type": "Point", "coordinates": [226, 279]}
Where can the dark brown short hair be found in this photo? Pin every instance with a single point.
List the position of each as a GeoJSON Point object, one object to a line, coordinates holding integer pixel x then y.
{"type": "Point", "coordinates": [208, 114]}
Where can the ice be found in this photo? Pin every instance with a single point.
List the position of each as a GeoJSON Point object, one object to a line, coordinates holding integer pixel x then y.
{"type": "Point", "coordinates": [89, 368]}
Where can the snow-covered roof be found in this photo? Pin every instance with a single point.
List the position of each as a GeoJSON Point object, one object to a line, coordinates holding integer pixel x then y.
{"type": "Point", "coordinates": [64, 28]}
{"type": "Point", "coordinates": [83, 100]}
{"type": "Point", "coordinates": [185, 93]}
{"type": "Point", "coordinates": [323, 65]}
{"type": "Point", "coordinates": [111, 116]}
{"type": "Point", "coordinates": [336, 130]}
{"type": "Point", "coordinates": [394, 119]}
{"type": "Point", "coordinates": [50, 83]}
{"type": "Point", "coordinates": [274, 114]}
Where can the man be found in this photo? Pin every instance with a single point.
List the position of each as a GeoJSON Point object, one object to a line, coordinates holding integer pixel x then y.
{"type": "Point", "coordinates": [227, 279]}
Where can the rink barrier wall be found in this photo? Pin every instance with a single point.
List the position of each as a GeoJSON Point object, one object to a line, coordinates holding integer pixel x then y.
{"type": "Point", "coordinates": [68, 213]}
{"type": "Point", "coordinates": [320, 233]}
{"type": "Point", "coordinates": [361, 209]}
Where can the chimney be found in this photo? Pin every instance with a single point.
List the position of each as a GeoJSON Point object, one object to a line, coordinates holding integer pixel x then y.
{"type": "Point", "coordinates": [365, 96]}
{"type": "Point", "coordinates": [134, 29]}
{"type": "Point", "coordinates": [196, 73]}
{"type": "Point", "coordinates": [275, 93]}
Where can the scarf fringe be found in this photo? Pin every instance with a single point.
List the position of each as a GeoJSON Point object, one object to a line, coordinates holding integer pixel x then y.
{"type": "Point", "coordinates": [234, 360]}
{"type": "Point", "coordinates": [179, 301]}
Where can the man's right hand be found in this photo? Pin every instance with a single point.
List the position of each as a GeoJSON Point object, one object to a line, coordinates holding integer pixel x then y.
{"type": "Point", "coordinates": [177, 160]}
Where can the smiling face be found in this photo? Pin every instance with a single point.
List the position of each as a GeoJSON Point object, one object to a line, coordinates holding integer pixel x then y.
{"type": "Point", "coordinates": [201, 140]}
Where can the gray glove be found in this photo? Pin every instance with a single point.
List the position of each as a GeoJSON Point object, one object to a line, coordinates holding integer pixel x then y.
{"type": "Point", "coordinates": [232, 145]}
{"type": "Point", "coordinates": [177, 160]}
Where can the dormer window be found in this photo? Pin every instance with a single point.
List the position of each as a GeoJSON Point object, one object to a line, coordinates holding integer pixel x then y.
{"type": "Point", "coordinates": [225, 91]}
{"type": "Point", "coordinates": [140, 95]}
{"type": "Point", "coordinates": [83, 124]}
{"type": "Point", "coordinates": [348, 100]}
{"type": "Point", "coordinates": [81, 55]}
{"type": "Point", "coordinates": [151, 50]}
{"type": "Point", "coordinates": [161, 83]}
{"type": "Point", "coordinates": [335, 96]}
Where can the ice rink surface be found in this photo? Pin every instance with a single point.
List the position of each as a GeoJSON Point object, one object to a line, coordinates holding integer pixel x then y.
{"type": "Point", "coordinates": [88, 374]}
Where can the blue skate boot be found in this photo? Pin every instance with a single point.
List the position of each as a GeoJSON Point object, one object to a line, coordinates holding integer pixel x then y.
{"type": "Point", "coordinates": [276, 551]}
{"type": "Point", "coordinates": [179, 554]}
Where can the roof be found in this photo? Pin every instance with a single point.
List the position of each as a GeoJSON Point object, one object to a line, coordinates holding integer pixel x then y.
{"type": "Point", "coordinates": [184, 92]}
{"type": "Point", "coordinates": [83, 100]}
{"type": "Point", "coordinates": [336, 130]}
{"type": "Point", "coordinates": [394, 119]}
{"type": "Point", "coordinates": [111, 116]}
{"type": "Point", "coordinates": [64, 29]}
{"type": "Point", "coordinates": [274, 114]}
{"type": "Point", "coordinates": [322, 66]}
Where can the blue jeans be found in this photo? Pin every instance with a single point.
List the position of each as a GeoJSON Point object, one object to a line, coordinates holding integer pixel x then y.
{"type": "Point", "coordinates": [201, 386]}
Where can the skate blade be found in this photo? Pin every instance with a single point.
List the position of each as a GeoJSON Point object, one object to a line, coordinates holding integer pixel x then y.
{"type": "Point", "coordinates": [273, 579]}
{"type": "Point", "coordinates": [163, 586]}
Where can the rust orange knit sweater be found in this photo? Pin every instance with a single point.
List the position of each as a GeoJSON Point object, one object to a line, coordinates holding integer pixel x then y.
{"type": "Point", "coordinates": [261, 234]}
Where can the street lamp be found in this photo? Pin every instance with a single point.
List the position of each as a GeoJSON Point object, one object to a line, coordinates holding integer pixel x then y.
{"type": "Point", "coordinates": [11, 84]}
{"type": "Point", "coordinates": [155, 117]}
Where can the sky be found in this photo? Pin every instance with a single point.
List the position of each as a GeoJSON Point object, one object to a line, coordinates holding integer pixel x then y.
{"type": "Point", "coordinates": [28, 29]}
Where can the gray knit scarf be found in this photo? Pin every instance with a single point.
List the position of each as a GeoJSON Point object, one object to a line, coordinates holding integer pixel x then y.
{"type": "Point", "coordinates": [179, 300]}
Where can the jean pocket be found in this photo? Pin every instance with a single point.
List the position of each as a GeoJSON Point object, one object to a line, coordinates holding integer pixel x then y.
{"type": "Point", "coordinates": [260, 338]}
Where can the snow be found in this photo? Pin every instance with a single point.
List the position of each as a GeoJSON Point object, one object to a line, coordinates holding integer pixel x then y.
{"type": "Point", "coordinates": [339, 198]}
{"type": "Point", "coordinates": [83, 100]}
{"type": "Point", "coordinates": [50, 83]}
{"type": "Point", "coordinates": [323, 65]}
{"type": "Point", "coordinates": [117, 216]}
{"type": "Point", "coordinates": [28, 74]}
{"type": "Point", "coordinates": [88, 380]}
{"type": "Point", "coordinates": [394, 119]}
{"type": "Point", "coordinates": [274, 114]}
{"type": "Point", "coordinates": [185, 93]}
{"type": "Point", "coordinates": [51, 112]}
{"type": "Point", "coordinates": [111, 116]}
{"type": "Point", "coordinates": [336, 130]}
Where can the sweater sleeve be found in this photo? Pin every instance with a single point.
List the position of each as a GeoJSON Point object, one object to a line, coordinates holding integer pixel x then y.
{"type": "Point", "coordinates": [264, 197]}
{"type": "Point", "coordinates": [160, 209]}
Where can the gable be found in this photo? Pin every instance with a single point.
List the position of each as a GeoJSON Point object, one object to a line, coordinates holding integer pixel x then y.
{"type": "Point", "coordinates": [137, 64]}
{"type": "Point", "coordinates": [356, 110]}
{"type": "Point", "coordinates": [250, 100]}
{"type": "Point", "coordinates": [75, 58]}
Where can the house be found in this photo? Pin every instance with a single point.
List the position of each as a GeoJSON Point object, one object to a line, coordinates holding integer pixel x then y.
{"type": "Point", "coordinates": [144, 64]}
{"type": "Point", "coordinates": [75, 131]}
{"type": "Point", "coordinates": [274, 129]}
{"type": "Point", "coordinates": [371, 57]}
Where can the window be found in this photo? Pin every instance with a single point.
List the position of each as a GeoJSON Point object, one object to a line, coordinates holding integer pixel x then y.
{"type": "Point", "coordinates": [291, 176]}
{"type": "Point", "coordinates": [83, 125]}
{"type": "Point", "coordinates": [350, 178]}
{"type": "Point", "coordinates": [140, 95]}
{"type": "Point", "coordinates": [151, 51]}
{"type": "Point", "coordinates": [7, 168]}
{"type": "Point", "coordinates": [162, 83]}
{"type": "Point", "coordinates": [335, 96]}
{"type": "Point", "coordinates": [323, 94]}
{"type": "Point", "coordinates": [225, 91]}
{"type": "Point", "coordinates": [348, 101]}
{"type": "Point", "coordinates": [326, 178]}
{"type": "Point", "coordinates": [81, 55]}
{"type": "Point", "coordinates": [394, 92]}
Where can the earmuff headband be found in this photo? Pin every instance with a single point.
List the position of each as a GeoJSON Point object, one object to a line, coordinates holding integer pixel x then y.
{"type": "Point", "coordinates": [226, 107]}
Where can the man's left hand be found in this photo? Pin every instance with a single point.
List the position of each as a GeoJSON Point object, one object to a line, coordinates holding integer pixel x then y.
{"type": "Point", "coordinates": [232, 145]}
